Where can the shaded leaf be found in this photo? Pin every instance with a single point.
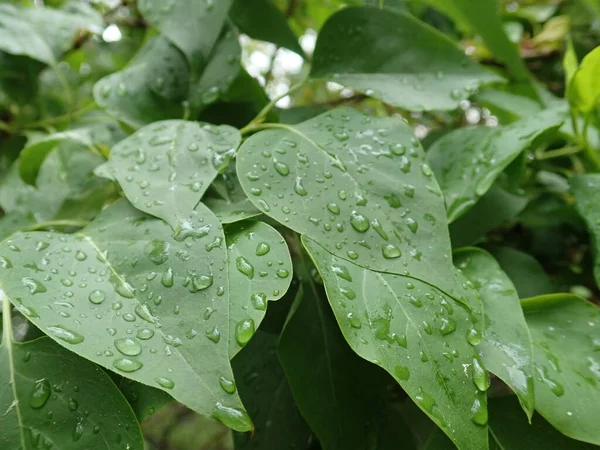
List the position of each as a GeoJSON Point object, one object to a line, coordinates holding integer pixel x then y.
{"type": "Point", "coordinates": [506, 349]}
{"type": "Point", "coordinates": [49, 397]}
{"type": "Point", "coordinates": [494, 208]}
{"type": "Point", "coordinates": [13, 222]}
{"type": "Point", "coordinates": [525, 272]}
{"type": "Point", "coordinates": [418, 68]}
{"type": "Point", "coordinates": [144, 400]}
{"type": "Point", "coordinates": [261, 20]}
{"type": "Point", "coordinates": [566, 340]}
{"type": "Point", "coordinates": [361, 193]}
{"type": "Point", "coordinates": [231, 205]}
{"type": "Point", "coordinates": [340, 395]}
{"type": "Point", "coordinates": [586, 189]}
{"type": "Point", "coordinates": [264, 388]}
{"type": "Point", "coordinates": [126, 295]}
{"type": "Point", "coordinates": [165, 167]}
{"type": "Point", "coordinates": [467, 161]}
{"type": "Point", "coordinates": [260, 270]}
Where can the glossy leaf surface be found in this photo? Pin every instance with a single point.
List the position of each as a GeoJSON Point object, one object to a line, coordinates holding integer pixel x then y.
{"type": "Point", "coordinates": [584, 89]}
{"type": "Point", "coordinates": [49, 399]}
{"type": "Point", "coordinates": [586, 189]}
{"type": "Point", "coordinates": [566, 340]}
{"type": "Point", "coordinates": [506, 348]}
{"type": "Point", "coordinates": [126, 295]}
{"type": "Point", "coordinates": [392, 56]}
{"type": "Point", "coordinates": [165, 168]}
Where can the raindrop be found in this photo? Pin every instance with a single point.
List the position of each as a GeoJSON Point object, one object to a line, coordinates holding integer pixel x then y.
{"type": "Point", "coordinates": [214, 334]}
{"type": "Point", "coordinates": [390, 251]}
{"type": "Point", "coordinates": [34, 286]}
{"type": "Point", "coordinates": [282, 273]}
{"type": "Point", "coordinates": [299, 188]}
{"type": "Point", "coordinates": [127, 365]}
{"type": "Point", "coordinates": [448, 326]}
{"type": "Point", "coordinates": [479, 413]}
{"type": "Point", "coordinates": [231, 417]}
{"type": "Point", "coordinates": [481, 377]}
{"type": "Point", "coordinates": [244, 331]}
{"type": "Point", "coordinates": [201, 282]}
{"type": "Point", "coordinates": [97, 297]}
{"type": "Point", "coordinates": [128, 346]}
{"type": "Point", "coordinates": [66, 335]}
{"type": "Point", "coordinates": [282, 168]}
{"type": "Point", "coordinates": [402, 373]}
{"type": "Point", "coordinates": [244, 267]}
{"type": "Point", "coordinates": [354, 321]}
{"type": "Point", "coordinates": [145, 334]}
{"type": "Point", "coordinates": [342, 272]}
{"type": "Point", "coordinates": [227, 385]}
{"type": "Point", "coordinates": [167, 278]}
{"type": "Point", "coordinates": [259, 301]}
{"type": "Point", "coordinates": [359, 222]}
{"type": "Point", "coordinates": [165, 382]}
{"type": "Point", "coordinates": [262, 249]}
{"type": "Point", "coordinates": [80, 256]}
{"type": "Point", "coordinates": [40, 394]}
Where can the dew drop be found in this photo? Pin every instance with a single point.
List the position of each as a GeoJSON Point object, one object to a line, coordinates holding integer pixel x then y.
{"type": "Point", "coordinates": [128, 346]}
{"type": "Point", "coordinates": [66, 335]}
{"type": "Point", "coordinates": [97, 297]}
{"type": "Point", "coordinates": [244, 331]}
{"type": "Point", "coordinates": [165, 382]}
{"type": "Point", "coordinates": [40, 394]}
{"type": "Point", "coordinates": [127, 365]}
{"type": "Point", "coordinates": [227, 385]}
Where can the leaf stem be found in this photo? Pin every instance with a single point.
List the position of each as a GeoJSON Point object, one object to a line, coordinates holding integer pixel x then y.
{"type": "Point", "coordinates": [65, 117]}
{"type": "Point", "coordinates": [260, 117]}
{"type": "Point", "coordinates": [565, 151]}
{"type": "Point", "coordinates": [58, 223]}
{"type": "Point", "coordinates": [592, 155]}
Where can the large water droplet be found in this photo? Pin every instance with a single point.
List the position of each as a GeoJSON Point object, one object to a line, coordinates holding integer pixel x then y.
{"type": "Point", "coordinates": [40, 394]}
{"type": "Point", "coordinates": [145, 334]}
{"type": "Point", "coordinates": [390, 251]}
{"type": "Point", "coordinates": [262, 249]}
{"type": "Point", "coordinates": [299, 187]}
{"type": "Point", "coordinates": [167, 383]}
{"type": "Point", "coordinates": [244, 266]}
{"type": "Point", "coordinates": [244, 331]}
{"type": "Point", "coordinates": [259, 301]}
{"type": "Point", "coordinates": [167, 278]}
{"type": "Point", "coordinates": [97, 297]}
{"type": "Point", "coordinates": [359, 222]}
{"type": "Point", "coordinates": [65, 334]}
{"type": "Point", "coordinates": [34, 286]}
{"type": "Point", "coordinates": [342, 272]}
{"type": "Point", "coordinates": [127, 365]}
{"type": "Point", "coordinates": [232, 417]}
{"type": "Point", "coordinates": [227, 385]}
{"type": "Point", "coordinates": [128, 346]}
{"type": "Point", "coordinates": [402, 373]}
{"type": "Point", "coordinates": [201, 282]}
{"type": "Point", "coordinates": [481, 377]}
{"type": "Point", "coordinates": [282, 168]}
{"type": "Point", "coordinates": [479, 413]}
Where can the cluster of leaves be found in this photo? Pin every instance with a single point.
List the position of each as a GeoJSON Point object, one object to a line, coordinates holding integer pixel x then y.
{"type": "Point", "coordinates": [155, 203]}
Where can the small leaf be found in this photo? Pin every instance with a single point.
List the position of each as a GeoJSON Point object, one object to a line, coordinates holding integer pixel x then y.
{"type": "Point", "coordinates": [46, 388]}
{"type": "Point", "coordinates": [467, 161]}
{"type": "Point", "coordinates": [260, 270]}
{"type": "Point", "coordinates": [264, 388]}
{"type": "Point", "coordinates": [495, 208]}
{"type": "Point", "coordinates": [584, 90]}
{"type": "Point", "coordinates": [585, 189]}
{"type": "Point", "coordinates": [261, 20]}
{"type": "Point", "coordinates": [525, 272]}
{"type": "Point", "coordinates": [506, 349]}
{"type": "Point", "coordinates": [125, 294]}
{"type": "Point", "coordinates": [165, 167]}
{"type": "Point", "coordinates": [418, 68]}
{"type": "Point", "coordinates": [192, 26]}
{"type": "Point", "coordinates": [566, 338]}
{"type": "Point", "coordinates": [570, 65]}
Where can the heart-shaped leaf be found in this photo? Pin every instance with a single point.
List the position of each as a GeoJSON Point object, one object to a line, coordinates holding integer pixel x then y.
{"type": "Point", "coordinates": [566, 339]}
{"type": "Point", "coordinates": [372, 216]}
{"type": "Point", "coordinates": [586, 189]}
{"type": "Point", "coordinates": [165, 167]}
{"type": "Point", "coordinates": [506, 349]}
{"type": "Point", "coordinates": [125, 294]}
{"type": "Point", "coordinates": [467, 161]}
{"type": "Point", "coordinates": [418, 68]}
{"type": "Point", "coordinates": [49, 398]}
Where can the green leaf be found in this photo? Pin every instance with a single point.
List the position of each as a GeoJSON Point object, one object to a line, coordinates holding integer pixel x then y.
{"type": "Point", "coordinates": [570, 65]}
{"type": "Point", "coordinates": [526, 273]}
{"type": "Point", "coordinates": [467, 161]}
{"type": "Point", "coordinates": [192, 26]}
{"type": "Point", "coordinates": [36, 151]}
{"type": "Point", "coordinates": [418, 68]}
{"type": "Point", "coordinates": [152, 87]}
{"type": "Point", "coordinates": [264, 388]}
{"type": "Point", "coordinates": [506, 348]}
{"type": "Point", "coordinates": [44, 34]}
{"type": "Point", "coordinates": [496, 207]}
{"type": "Point", "coordinates": [144, 400]}
{"type": "Point", "coordinates": [231, 205]}
{"type": "Point", "coordinates": [260, 270]}
{"type": "Point", "coordinates": [585, 189]}
{"type": "Point", "coordinates": [483, 17]}
{"type": "Point", "coordinates": [165, 167]}
{"type": "Point", "coordinates": [13, 222]}
{"type": "Point", "coordinates": [49, 398]}
{"type": "Point", "coordinates": [261, 20]}
{"type": "Point", "coordinates": [125, 294]}
{"type": "Point", "coordinates": [584, 90]}
{"type": "Point", "coordinates": [566, 338]}
{"type": "Point", "coordinates": [512, 432]}
{"type": "Point", "coordinates": [340, 395]}
{"type": "Point", "coordinates": [361, 193]}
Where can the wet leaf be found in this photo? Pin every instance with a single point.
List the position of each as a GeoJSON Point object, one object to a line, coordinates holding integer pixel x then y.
{"type": "Point", "coordinates": [260, 270]}
{"type": "Point", "coordinates": [46, 388]}
{"type": "Point", "coordinates": [566, 341]}
{"type": "Point", "coordinates": [125, 294]}
{"type": "Point", "coordinates": [467, 161]}
{"type": "Point", "coordinates": [372, 216]}
{"type": "Point", "coordinates": [230, 203]}
{"type": "Point", "coordinates": [165, 168]}
{"type": "Point", "coordinates": [586, 189]}
{"type": "Point", "coordinates": [144, 400]}
{"type": "Point", "coordinates": [418, 68]}
{"type": "Point", "coordinates": [506, 349]}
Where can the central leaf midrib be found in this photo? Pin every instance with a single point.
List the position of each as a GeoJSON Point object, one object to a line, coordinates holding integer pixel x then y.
{"type": "Point", "coordinates": [99, 252]}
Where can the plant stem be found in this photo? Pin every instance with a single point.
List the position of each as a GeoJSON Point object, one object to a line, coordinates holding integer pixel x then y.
{"type": "Point", "coordinates": [565, 151]}
{"type": "Point", "coordinates": [269, 106]}
{"type": "Point", "coordinates": [262, 126]}
{"type": "Point", "coordinates": [592, 155]}
{"type": "Point", "coordinates": [69, 116]}
{"type": "Point", "coordinates": [57, 223]}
